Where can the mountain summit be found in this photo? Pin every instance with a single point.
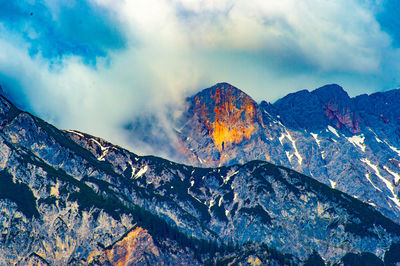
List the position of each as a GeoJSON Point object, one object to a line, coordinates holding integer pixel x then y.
{"type": "Point", "coordinates": [218, 120]}
{"type": "Point", "coordinates": [228, 114]}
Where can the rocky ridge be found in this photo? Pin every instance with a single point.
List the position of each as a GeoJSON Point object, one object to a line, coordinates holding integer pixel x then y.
{"type": "Point", "coordinates": [349, 144]}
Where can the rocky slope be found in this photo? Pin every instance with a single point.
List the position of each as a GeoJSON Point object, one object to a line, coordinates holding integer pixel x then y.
{"type": "Point", "coordinates": [350, 144]}
{"type": "Point", "coordinates": [68, 197]}
{"type": "Point", "coordinates": [60, 205]}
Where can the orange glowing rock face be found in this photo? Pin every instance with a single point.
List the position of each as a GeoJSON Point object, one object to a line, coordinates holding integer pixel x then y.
{"type": "Point", "coordinates": [228, 114]}
{"type": "Point", "coordinates": [127, 251]}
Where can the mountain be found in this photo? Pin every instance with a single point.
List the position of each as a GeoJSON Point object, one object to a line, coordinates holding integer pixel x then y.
{"type": "Point", "coordinates": [71, 198]}
{"type": "Point", "coordinates": [63, 204]}
{"type": "Point", "coordinates": [349, 144]}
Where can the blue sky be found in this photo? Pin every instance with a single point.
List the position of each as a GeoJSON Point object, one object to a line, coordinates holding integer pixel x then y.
{"type": "Point", "coordinates": [94, 64]}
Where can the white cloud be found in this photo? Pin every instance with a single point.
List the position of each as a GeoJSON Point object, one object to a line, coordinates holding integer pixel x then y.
{"type": "Point", "coordinates": [175, 47]}
{"type": "Point", "coordinates": [330, 35]}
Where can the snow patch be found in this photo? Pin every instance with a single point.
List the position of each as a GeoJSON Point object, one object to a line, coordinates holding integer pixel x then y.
{"type": "Point", "coordinates": [226, 179]}
{"type": "Point", "coordinates": [132, 168]}
{"type": "Point", "coordinates": [101, 158]}
{"type": "Point", "coordinates": [212, 201]}
{"type": "Point", "coordinates": [281, 138]}
{"type": "Point", "coordinates": [376, 136]}
{"type": "Point", "coordinates": [104, 149]}
{"type": "Point", "coordinates": [220, 201]}
{"type": "Point", "coordinates": [98, 143]}
{"type": "Point", "coordinates": [333, 130]}
{"type": "Point", "coordinates": [296, 152]}
{"type": "Point", "coordinates": [333, 183]}
{"type": "Point", "coordinates": [387, 183]}
{"type": "Point", "coordinates": [141, 172]}
{"type": "Point", "coordinates": [299, 158]}
{"type": "Point", "coordinates": [75, 132]}
{"type": "Point", "coordinates": [235, 197]}
{"type": "Point", "coordinates": [369, 179]}
{"type": "Point", "coordinates": [358, 141]}
{"type": "Point", "coordinates": [393, 148]}
{"type": "Point", "coordinates": [315, 136]}
{"type": "Point", "coordinates": [289, 155]}
{"type": "Point", "coordinates": [395, 175]}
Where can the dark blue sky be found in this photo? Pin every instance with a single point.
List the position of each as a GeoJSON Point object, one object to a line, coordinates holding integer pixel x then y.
{"type": "Point", "coordinates": [94, 64]}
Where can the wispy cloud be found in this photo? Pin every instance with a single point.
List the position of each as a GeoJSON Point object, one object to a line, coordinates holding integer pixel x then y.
{"type": "Point", "coordinates": [94, 65]}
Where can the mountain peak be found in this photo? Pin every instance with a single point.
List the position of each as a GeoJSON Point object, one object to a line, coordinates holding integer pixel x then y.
{"type": "Point", "coordinates": [331, 92]}
{"type": "Point", "coordinates": [227, 113]}
{"type": "Point", "coordinates": [222, 89]}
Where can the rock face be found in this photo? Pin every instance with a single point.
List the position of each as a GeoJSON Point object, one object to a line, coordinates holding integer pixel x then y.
{"type": "Point", "coordinates": [70, 198]}
{"type": "Point", "coordinates": [349, 144]}
{"type": "Point", "coordinates": [218, 119]}
{"type": "Point", "coordinates": [136, 247]}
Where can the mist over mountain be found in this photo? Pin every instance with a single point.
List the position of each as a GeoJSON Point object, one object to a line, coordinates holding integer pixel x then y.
{"type": "Point", "coordinates": [68, 197]}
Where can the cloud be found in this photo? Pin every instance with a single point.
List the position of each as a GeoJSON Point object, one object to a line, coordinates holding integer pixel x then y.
{"type": "Point", "coordinates": [95, 65]}
{"type": "Point", "coordinates": [321, 34]}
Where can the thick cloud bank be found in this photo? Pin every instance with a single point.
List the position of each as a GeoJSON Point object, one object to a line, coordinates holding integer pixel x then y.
{"type": "Point", "coordinates": [94, 65]}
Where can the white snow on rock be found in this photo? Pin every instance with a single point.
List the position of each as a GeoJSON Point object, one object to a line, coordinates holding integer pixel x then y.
{"type": "Point", "coordinates": [393, 148]}
{"type": "Point", "coordinates": [142, 171]}
{"type": "Point", "coordinates": [75, 132]}
{"type": "Point", "coordinates": [376, 136]}
{"type": "Point", "coordinates": [315, 136]}
{"type": "Point", "coordinates": [387, 183]}
{"type": "Point", "coordinates": [358, 141]}
{"type": "Point", "coordinates": [333, 130]}
{"type": "Point", "coordinates": [369, 179]}
{"type": "Point", "coordinates": [220, 201]}
{"type": "Point", "coordinates": [281, 138]}
{"type": "Point", "coordinates": [104, 149]}
{"type": "Point", "coordinates": [226, 179]}
{"type": "Point", "coordinates": [289, 156]}
{"type": "Point", "coordinates": [132, 168]}
{"type": "Point", "coordinates": [296, 152]}
{"type": "Point", "coordinates": [333, 183]}
{"type": "Point", "coordinates": [395, 175]}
